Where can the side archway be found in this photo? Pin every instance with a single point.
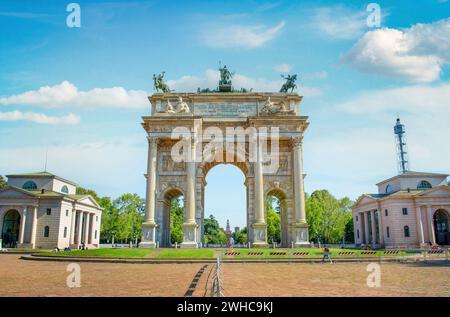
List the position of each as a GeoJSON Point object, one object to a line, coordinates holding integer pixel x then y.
{"type": "Point", "coordinates": [441, 226]}
{"type": "Point", "coordinates": [10, 228]}
{"type": "Point", "coordinates": [167, 200]}
{"type": "Point", "coordinates": [280, 200]}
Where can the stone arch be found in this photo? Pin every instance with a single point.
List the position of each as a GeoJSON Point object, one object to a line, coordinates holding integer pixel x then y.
{"type": "Point", "coordinates": [10, 228]}
{"type": "Point", "coordinates": [281, 195]}
{"type": "Point", "coordinates": [441, 222]}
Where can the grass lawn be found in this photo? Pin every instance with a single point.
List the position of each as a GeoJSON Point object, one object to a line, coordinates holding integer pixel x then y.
{"type": "Point", "coordinates": [211, 253]}
{"type": "Point", "coordinates": [112, 253]}
{"type": "Point", "coordinates": [186, 254]}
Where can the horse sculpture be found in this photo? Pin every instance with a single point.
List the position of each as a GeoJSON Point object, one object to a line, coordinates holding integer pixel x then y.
{"type": "Point", "coordinates": [159, 84]}
{"type": "Point", "coordinates": [289, 84]}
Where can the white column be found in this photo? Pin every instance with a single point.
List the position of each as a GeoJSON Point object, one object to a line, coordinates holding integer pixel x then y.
{"type": "Point", "coordinates": [299, 193]}
{"type": "Point", "coordinates": [380, 224]}
{"type": "Point", "coordinates": [86, 228]}
{"type": "Point", "coordinates": [149, 225]}
{"type": "Point", "coordinates": [79, 229]}
{"type": "Point", "coordinates": [259, 225]}
{"type": "Point", "coordinates": [301, 231]}
{"type": "Point", "coordinates": [361, 227]}
{"type": "Point", "coordinates": [419, 224]}
{"type": "Point", "coordinates": [33, 227]}
{"type": "Point", "coordinates": [189, 225]}
{"type": "Point", "coordinates": [151, 180]}
{"type": "Point", "coordinates": [431, 225]}
{"type": "Point", "coordinates": [366, 228]}
{"type": "Point", "coordinates": [92, 229]}
{"type": "Point", "coordinates": [374, 226]}
{"type": "Point", "coordinates": [72, 226]}
{"type": "Point", "coordinates": [23, 222]}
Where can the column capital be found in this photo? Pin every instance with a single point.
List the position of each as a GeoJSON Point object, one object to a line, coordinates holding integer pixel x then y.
{"type": "Point", "coordinates": [296, 141]}
{"type": "Point", "coordinates": [153, 140]}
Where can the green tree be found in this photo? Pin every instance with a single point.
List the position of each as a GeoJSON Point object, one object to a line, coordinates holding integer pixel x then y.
{"type": "Point", "coordinates": [273, 220]}
{"type": "Point", "coordinates": [131, 211]}
{"type": "Point", "coordinates": [327, 216]}
{"type": "Point", "coordinates": [213, 233]}
{"type": "Point", "coordinates": [240, 236]}
{"type": "Point", "coordinates": [2, 182]}
{"type": "Point", "coordinates": [176, 221]}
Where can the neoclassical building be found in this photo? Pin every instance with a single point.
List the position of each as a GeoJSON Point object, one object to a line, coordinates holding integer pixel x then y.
{"type": "Point", "coordinates": [193, 116]}
{"type": "Point", "coordinates": [410, 209]}
{"type": "Point", "coordinates": [42, 210]}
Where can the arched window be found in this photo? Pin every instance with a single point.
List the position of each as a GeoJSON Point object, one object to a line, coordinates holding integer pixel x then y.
{"type": "Point", "coordinates": [406, 231]}
{"type": "Point", "coordinates": [64, 189]}
{"type": "Point", "coordinates": [29, 185]}
{"type": "Point", "coordinates": [389, 189]}
{"type": "Point", "coordinates": [46, 231]}
{"type": "Point", "coordinates": [424, 185]}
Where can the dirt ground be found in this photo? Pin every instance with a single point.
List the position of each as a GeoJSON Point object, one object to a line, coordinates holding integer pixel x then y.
{"type": "Point", "coordinates": [35, 278]}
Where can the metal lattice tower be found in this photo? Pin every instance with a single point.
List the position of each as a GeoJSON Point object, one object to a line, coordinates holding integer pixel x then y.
{"type": "Point", "coordinates": [402, 152]}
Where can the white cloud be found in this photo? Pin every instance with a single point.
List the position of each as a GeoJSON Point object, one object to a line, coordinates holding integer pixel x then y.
{"type": "Point", "coordinates": [316, 75]}
{"type": "Point", "coordinates": [416, 100]}
{"type": "Point", "coordinates": [283, 68]}
{"type": "Point", "coordinates": [339, 22]}
{"type": "Point", "coordinates": [211, 77]}
{"type": "Point", "coordinates": [240, 36]}
{"type": "Point", "coordinates": [38, 118]}
{"type": "Point", "coordinates": [416, 54]}
{"type": "Point", "coordinates": [67, 94]}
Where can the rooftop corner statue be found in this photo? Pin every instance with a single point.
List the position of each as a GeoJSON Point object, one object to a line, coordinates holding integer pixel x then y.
{"type": "Point", "coordinates": [289, 84]}
{"type": "Point", "coordinates": [225, 79]}
{"type": "Point", "coordinates": [159, 84]}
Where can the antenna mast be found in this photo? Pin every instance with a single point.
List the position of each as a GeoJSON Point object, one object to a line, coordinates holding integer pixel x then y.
{"type": "Point", "coordinates": [402, 152]}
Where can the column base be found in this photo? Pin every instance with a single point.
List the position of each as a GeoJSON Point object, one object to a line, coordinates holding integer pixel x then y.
{"type": "Point", "coordinates": [148, 240]}
{"type": "Point", "coordinates": [189, 236]}
{"type": "Point", "coordinates": [260, 235]}
{"type": "Point", "coordinates": [301, 235]}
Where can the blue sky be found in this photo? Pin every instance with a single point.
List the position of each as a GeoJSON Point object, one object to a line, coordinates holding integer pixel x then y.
{"type": "Point", "coordinates": [355, 80]}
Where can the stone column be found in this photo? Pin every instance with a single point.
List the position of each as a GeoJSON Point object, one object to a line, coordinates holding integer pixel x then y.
{"type": "Point", "coordinates": [259, 226]}
{"type": "Point", "coordinates": [149, 225]}
{"type": "Point", "coordinates": [431, 225]}
{"type": "Point", "coordinates": [72, 226]}
{"type": "Point", "coordinates": [360, 227]}
{"type": "Point", "coordinates": [380, 224]}
{"type": "Point", "coordinates": [79, 229]}
{"type": "Point", "coordinates": [190, 226]}
{"type": "Point", "coordinates": [23, 222]}
{"type": "Point", "coordinates": [366, 228]}
{"type": "Point", "coordinates": [301, 226]}
{"type": "Point", "coordinates": [419, 225]}
{"type": "Point", "coordinates": [92, 229]}
{"type": "Point", "coordinates": [33, 228]}
{"type": "Point", "coordinates": [374, 226]}
{"type": "Point", "coordinates": [86, 228]}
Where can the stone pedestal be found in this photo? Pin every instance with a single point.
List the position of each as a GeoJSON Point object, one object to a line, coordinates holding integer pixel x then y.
{"type": "Point", "coordinates": [148, 236]}
{"type": "Point", "coordinates": [189, 236]}
{"type": "Point", "coordinates": [259, 235]}
{"type": "Point", "coordinates": [301, 235]}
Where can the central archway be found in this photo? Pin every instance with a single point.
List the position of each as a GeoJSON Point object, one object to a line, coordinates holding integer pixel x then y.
{"type": "Point", "coordinates": [225, 199]}
{"type": "Point", "coordinates": [10, 229]}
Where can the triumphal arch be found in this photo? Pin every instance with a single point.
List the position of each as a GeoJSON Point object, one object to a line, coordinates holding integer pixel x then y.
{"type": "Point", "coordinates": [190, 133]}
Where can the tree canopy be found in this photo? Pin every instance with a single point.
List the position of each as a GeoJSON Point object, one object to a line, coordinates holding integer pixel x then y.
{"type": "Point", "coordinates": [176, 221]}
{"type": "Point", "coordinates": [329, 217]}
{"type": "Point", "coordinates": [213, 233]}
{"type": "Point", "coordinates": [2, 182]}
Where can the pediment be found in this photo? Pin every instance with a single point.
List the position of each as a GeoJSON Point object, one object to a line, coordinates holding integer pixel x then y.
{"type": "Point", "coordinates": [88, 200]}
{"type": "Point", "coordinates": [364, 199]}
